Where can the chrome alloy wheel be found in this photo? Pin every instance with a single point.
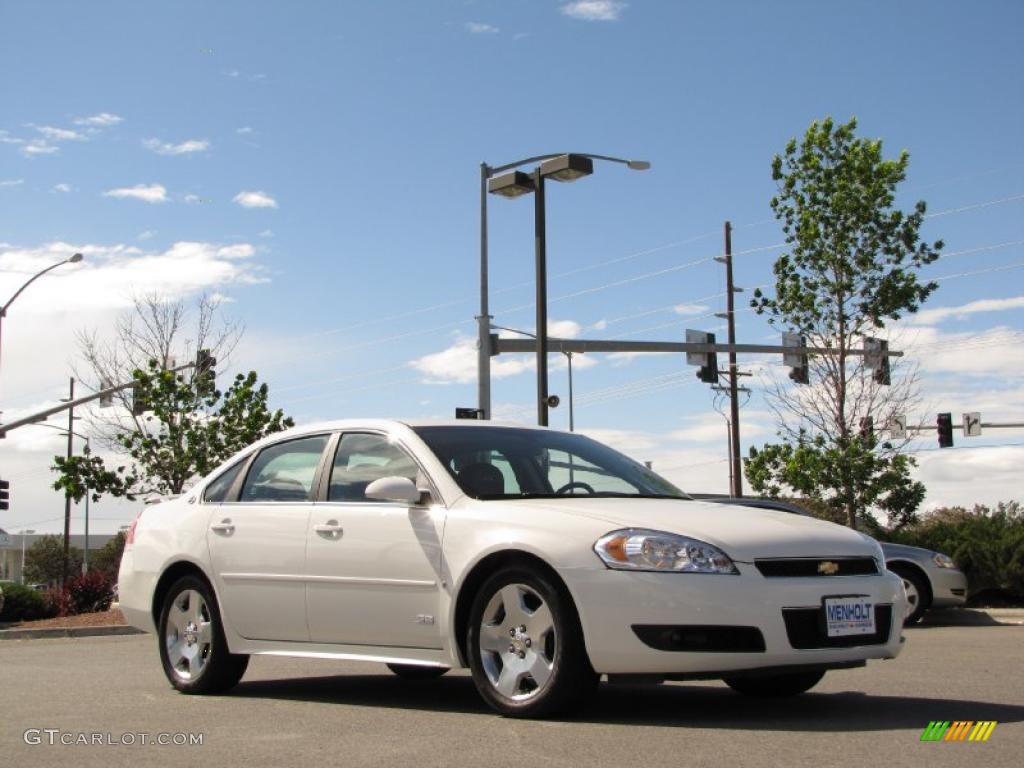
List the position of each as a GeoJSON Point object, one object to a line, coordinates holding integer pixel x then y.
{"type": "Point", "coordinates": [518, 642]}
{"type": "Point", "coordinates": [913, 596]}
{"type": "Point", "coordinates": [188, 635]}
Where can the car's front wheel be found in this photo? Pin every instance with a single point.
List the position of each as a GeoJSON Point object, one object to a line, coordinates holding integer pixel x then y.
{"type": "Point", "coordinates": [193, 650]}
{"type": "Point", "coordinates": [919, 596]}
{"type": "Point", "coordinates": [526, 647]}
{"type": "Point", "coordinates": [776, 686]}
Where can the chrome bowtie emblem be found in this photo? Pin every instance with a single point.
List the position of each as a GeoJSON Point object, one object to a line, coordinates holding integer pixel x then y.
{"type": "Point", "coordinates": [828, 568]}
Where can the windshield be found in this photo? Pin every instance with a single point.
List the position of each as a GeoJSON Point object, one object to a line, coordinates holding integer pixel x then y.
{"type": "Point", "coordinates": [508, 463]}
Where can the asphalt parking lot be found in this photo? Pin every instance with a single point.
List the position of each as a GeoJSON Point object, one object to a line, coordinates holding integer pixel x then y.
{"type": "Point", "coordinates": [294, 712]}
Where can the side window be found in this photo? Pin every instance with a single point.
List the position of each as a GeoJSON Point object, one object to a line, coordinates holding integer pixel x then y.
{"type": "Point", "coordinates": [363, 458]}
{"type": "Point", "coordinates": [285, 472]}
{"type": "Point", "coordinates": [217, 491]}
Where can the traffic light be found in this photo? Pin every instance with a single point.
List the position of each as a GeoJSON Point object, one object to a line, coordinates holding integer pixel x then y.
{"type": "Point", "coordinates": [867, 428]}
{"type": "Point", "coordinates": [205, 373]}
{"type": "Point", "coordinates": [5, 495]}
{"type": "Point", "coordinates": [877, 359]}
{"type": "Point", "coordinates": [797, 361]}
{"type": "Point", "coordinates": [139, 404]}
{"type": "Point", "coordinates": [708, 361]}
{"type": "Point", "coordinates": [945, 425]}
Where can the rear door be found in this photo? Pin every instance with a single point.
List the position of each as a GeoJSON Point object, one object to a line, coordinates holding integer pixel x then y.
{"type": "Point", "coordinates": [258, 541]}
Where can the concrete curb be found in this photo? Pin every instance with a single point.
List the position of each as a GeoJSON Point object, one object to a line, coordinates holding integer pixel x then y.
{"type": "Point", "coordinates": [41, 632]}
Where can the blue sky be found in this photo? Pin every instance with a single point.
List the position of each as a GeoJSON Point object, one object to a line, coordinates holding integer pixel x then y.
{"type": "Point", "coordinates": [317, 164]}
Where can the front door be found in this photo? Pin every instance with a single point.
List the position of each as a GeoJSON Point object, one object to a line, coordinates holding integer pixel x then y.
{"type": "Point", "coordinates": [258, 543]}
{"type": "Point", "coordinates": [373, 568]}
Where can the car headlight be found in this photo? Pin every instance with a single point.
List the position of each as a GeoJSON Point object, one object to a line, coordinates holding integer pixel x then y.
{"type": "Point", "coordinates": [638, 549]}
{"type": "Point", "coordinates": [943, 561]}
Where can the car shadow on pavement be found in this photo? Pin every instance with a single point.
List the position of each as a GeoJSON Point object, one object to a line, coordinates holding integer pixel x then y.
{"type": "Point", "coordinates": [958, 617]}
{"type": "Point", "coordinates": [687, 705]}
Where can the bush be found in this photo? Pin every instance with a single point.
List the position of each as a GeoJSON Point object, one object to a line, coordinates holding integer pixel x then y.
{"type": "Point", "coordinates": [23, 603]}
{"type": "Point", "coordinates": [88, 593]}
{"type": "Point", "coordinates": [987, 544]}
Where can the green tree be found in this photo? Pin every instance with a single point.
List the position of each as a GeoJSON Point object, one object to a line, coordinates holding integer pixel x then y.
{"type": "Point", "coordinates": [188, 428]}
{"type": "Point", "coordinates": [44, 560]}
{"type": "Point", "coordinates": [109, 558]}
{"type": "Point", "coordinates": [850, 267]}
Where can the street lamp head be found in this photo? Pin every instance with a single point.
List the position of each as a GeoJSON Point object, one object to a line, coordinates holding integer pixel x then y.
{"type": "Point", "coordinates": [638, 165]}
{"type": "Point", "coordinates": [567, 168]}
{"type": "Point", "coordinates": [75, 258]}
{"type": "Point", "coordinates": [511, 184]}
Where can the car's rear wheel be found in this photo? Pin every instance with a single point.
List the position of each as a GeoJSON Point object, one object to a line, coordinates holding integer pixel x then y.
{"type": "Point", "coordinates": [919, 596]}
{"type": "Point", "coordinates": [526, 647]}
{"type": "Point", "coordinates": [193, 650]}
{"type": "Point", "coordinates": [776, 686]}
{"type": "Point", "coordinates": [417, 671]}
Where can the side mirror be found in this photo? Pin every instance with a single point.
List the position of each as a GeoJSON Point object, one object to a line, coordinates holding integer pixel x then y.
{"type": "Point", "coordinates": [399, 489]}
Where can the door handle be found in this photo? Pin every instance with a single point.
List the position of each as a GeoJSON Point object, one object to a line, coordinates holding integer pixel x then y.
{"type": "Point", "coordinates": [331, 529]}
{"type": "Point", "coordinates": [225, 526]}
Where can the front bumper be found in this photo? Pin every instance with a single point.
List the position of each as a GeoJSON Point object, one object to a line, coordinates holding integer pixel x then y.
{"type": "Point", "coordinates": [949, 587]}
{"type": "Point", "coordinates": [612, 602]}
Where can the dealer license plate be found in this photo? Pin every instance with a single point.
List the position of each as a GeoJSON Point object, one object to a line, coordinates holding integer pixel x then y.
{"type": "Point", "coordinates": [849, 616]}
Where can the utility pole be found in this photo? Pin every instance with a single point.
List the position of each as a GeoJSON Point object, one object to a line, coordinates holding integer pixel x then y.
{"type": "Point", "coordinates": [735, 467]}
{"type": "Point", "coordinates": [67, 494]}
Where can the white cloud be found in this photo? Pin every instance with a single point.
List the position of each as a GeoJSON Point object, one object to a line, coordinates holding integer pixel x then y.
{"type": "Point", "coordinates": [479, 28]}
{"type": "Point", "coordinates": [594, 10]}
{"type": "Point", "coordinates": [457, 364]}
{"type": "Point", "coordinates": [59, 134]}
{"type": "Point", "coordinates": [101, 120]}
{"type": "Point", "coordinates": [110, 275]}
{"type": "Point", "coordinates": [184, 148]}
{"type": "Point", "coordinates": [37, 147]}
{"type": "Point", "coordinates": [255, 200]}
{"type": "Point", "coordinates": [148, 234]}
{"type": "Point", "coordinates": [231, 72]}
{"type": "Point", "coordinates": [62, 187]}
{"type": "Point", "coordinates": [710, 427]}
{"type": "Point", "coordinates": [690, 309]}
{"type": "Point", "coordinates": [968, 476]}
{"type": "Point", "coordinates": [152, 193]}
{"type": "Point", "coordinates": [564, 329]}
{"type": "Point", "coordinates": [939, 314]}
{"type": "Point", "coordinates": [245, 129]}
{"type": "Point", "coordinates": [11, 182]}
{"type": "Point", "coordinates": [267, 233]}
{"type": "Point", "coordinates": [994, 352]}
{"type": "Point", "coordinates": [191, 199]}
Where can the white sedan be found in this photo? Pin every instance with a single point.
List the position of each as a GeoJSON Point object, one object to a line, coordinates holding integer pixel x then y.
{"type": "Point", "coordinates": [539, 559]}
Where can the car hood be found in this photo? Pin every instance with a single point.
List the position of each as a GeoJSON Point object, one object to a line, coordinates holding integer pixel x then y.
{"type": "Point", "coordinates": [743, 533]}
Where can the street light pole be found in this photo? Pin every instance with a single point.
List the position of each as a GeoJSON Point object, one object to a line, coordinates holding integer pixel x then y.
{"type": "Point", "coordinates": [73, 259]}
{"type": "Point", "coordinates": [483, 352]}
{"type": "Point", "coordinates": [568, 356]}
{"type": "Point", "coordinates": [563, 167]}
{"type": "Point", "coordinates": [24, 533]}
{"type": "Point", "coordinates": [541, 256]}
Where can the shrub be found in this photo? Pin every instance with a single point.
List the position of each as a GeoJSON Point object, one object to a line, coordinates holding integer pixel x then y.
{"type": "Point", "coordinates": [987, 544]}
{"type": "Point", "coordinates": [23, 603]}
{"type": "Point", "coordinates": [88, 593]}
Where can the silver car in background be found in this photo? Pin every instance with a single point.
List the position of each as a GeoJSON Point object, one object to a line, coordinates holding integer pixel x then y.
{"type": "Point", "coordinates": [931, 579]}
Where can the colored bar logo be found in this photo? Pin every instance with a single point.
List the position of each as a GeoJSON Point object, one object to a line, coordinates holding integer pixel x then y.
{"type": "Point", "coordinates": [958, 730]}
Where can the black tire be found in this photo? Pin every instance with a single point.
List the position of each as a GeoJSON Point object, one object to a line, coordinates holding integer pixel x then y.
{"type": "Point", "coordinates": [776, 686]}
{"type": "Point", "coordinates": [203, 664]}
{"type": "Point", "coordinates": [558, 654]}
{"type": "Point", "coordinates": [417, 671]}
{"type": "Point", "coordinates": [917, 584]}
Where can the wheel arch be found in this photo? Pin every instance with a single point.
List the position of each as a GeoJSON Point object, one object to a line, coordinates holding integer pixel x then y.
{"type": "Point", "coordinates": [171, 574]}
{"type": "Point", "coordinates": [896, 564]}
{"type": "Point", "coordinates": [479, 573]}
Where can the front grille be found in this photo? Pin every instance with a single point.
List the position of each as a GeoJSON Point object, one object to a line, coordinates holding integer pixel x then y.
{"type": "Point", "coordinates": [806, 629]}
{"type": "Point", "coordinates": [816, 566]}
{"type": "Point", "coordinates": [700, 638]}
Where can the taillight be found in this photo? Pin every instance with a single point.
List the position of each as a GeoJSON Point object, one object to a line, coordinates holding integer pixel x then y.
{"type": "Point", "coordinates": [129, 538]}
